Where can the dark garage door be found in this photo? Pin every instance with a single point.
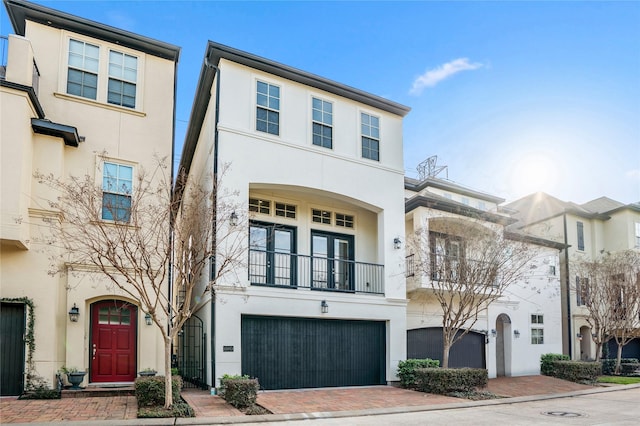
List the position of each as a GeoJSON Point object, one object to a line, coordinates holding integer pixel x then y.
{"type": "Point", "coordinates": [427, 343]}
{"type": "Point", "coordinates": [12, 328]}
{"type": "Point", "coordinates": [290, 353]}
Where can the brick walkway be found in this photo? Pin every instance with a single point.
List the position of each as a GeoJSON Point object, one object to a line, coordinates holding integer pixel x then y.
{"type": "Point", "coordinates": [532, 385]}
{"type": "Point", "coordinates": [207, 405]}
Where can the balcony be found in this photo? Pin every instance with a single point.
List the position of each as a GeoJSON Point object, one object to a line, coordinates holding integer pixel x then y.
{"type": "Point", "coordinates": [450, 272]}
{"type": "Point", "coordinates": [4, 49]}
{"type": "Point", "coordinates": [287, 270]}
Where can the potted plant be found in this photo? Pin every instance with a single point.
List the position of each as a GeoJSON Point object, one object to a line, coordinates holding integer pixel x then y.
{"type": "Point", "coordinates": [74, 376]}
{"type": "Point", "coordinates": [147, 372]}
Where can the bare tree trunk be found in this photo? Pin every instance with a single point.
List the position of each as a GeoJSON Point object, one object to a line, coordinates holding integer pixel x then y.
{"type": "Point", "coordinates": [446, 347]}
{"type": "Point", "coordinates": [168, 390]}
{"type": "Point", "coordinates": [618, 359]}
{"type": "Point", "coordinates": [598, 351]}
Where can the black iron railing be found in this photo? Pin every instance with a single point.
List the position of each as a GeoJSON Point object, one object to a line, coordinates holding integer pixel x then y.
{"type": "Point", "coordinates": [455, 269]}
{"type": "Point", "coordinates": [276, 269]}
{"type": "Point", "coordinates": [4, 49]}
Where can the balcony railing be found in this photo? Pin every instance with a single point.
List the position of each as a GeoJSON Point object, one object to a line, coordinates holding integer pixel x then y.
{"type": "Point", "coordinates": [4, 49]}
{"type": "Point", "coordinates": [456, 269]}
{"type": "Point", "coordinates": [277, 269]}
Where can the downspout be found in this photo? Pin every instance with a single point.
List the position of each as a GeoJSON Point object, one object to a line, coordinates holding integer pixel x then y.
{"type": "Point", "coordinates": [171, 224]}
{"type": "Point", "coordinates": [214, 227]}
{"type": "Point", "coordinates": [567, 282]}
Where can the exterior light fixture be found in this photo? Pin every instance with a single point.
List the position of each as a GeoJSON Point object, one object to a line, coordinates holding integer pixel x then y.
{"type": "Point", "coordinates": [579, 336]}
{"type": "Point", "coordinates": [494, 333]}
{"type": "Point", "coordinates": [233, 219]}
{"type": "Point", "coordinates": [74, 313]}
{"type": "Point", "coordinates": [397, 243]}
{"type": "Point", "coordinates": [147, 319]}
{"type": "Point", "coordinates": [324, 307]}
{"type": "Point", "coordinates": [516, 334]}
{"type": "Point", "coordinates": [594, 335]}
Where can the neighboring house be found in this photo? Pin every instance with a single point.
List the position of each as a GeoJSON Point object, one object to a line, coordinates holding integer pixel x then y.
{"type": "Point", "coordinates": [317, 172]}
{"type": "Point", "coordinates": [73, 89]}
{"type": "Point", "coordinates": [442, 218]}
{"type": "Point", "coordinates": [589, 230]}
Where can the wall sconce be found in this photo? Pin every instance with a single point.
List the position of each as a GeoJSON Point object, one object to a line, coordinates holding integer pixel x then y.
{"type": "Point", "coordinates": [397, 243]}
{"type": "Point", "coordinates": [516, 334]}
{"type": "Point", "coordinates": [579, 336]}
{"type": "Point", "coordinates": [74, 313]}
{"type": "Point", "coordinates": [233, 219]}
{"type": "Point", "coordinates": [324, 307]}
{"type": "Point", "coordinates": [147, 319]}
{"type": "Point", "coordinates": [594, 335]}
{"type": "Point", "coordinates": [494, 333]}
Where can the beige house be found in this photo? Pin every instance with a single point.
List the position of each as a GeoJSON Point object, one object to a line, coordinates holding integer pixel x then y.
{"type": "Point", "coordinates": [69, 90]}
{"type": "Point", "coordinates": [589, 229]}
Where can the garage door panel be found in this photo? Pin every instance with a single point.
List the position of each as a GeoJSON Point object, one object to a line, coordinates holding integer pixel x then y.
{"type": "Point", "coordinates": [288, 353]}
{"type": "Point", "coordinates": [427, 343]}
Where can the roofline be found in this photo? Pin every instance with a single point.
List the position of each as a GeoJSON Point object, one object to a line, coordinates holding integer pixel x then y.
{"type": "Point", "coordinates": [570, 210]}
{"type": "Point", "coordinates": [457, 208]}
{"type": "Point", "coordinates": [450, 186]}
{"type": "Point", "coordinates": [633, 206]}
{"type": "Point", "coordinates": [33, 97]}
{"type": "Point", "coordinates": [20, 11]}
{"type": "Point", "coordinates": [517, 236]}
{"type": "Point", "coordinates": [68, 133]}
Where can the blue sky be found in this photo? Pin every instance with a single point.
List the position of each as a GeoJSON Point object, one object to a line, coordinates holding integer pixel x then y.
{"type": "Point", "coordinates": [514, 97]}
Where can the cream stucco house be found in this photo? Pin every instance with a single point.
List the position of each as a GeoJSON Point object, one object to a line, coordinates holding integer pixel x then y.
{"type": "Point", "coordinates": [445, 220]}
{"type": "Point", "coordinates": [317, 170]}
{"type": "Point", "coordinates": [590, 229]}
{"type": "Point", "coordinates": [70, 89]}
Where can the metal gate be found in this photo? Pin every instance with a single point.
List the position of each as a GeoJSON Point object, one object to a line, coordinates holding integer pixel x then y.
{"type": "Point", "coordinates": [192, 353]}
{"type": "Point", "coordinates": [12, 329]}
{"type": "Point", "coordinates": [427, 343]}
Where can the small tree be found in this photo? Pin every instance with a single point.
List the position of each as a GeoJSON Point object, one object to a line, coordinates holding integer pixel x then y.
{"type": "Point", "coordinates": [468, 267]}
{"type": "Point", "coordinates": [135, 248]}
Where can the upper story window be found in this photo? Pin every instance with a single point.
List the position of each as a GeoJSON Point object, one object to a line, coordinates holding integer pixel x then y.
{"type": "Point", "coordinates": [268, 108]}
{"type": "Point", "coordinates": [580, 232]}
{"type": "Point", "coordinates": [370, 129]}
{"type": "Point", "coordinates": [258, 205]}
{"type": "Point", "coordinates": [123, 72]}
{"type": "Point", "coordinates": [537, 319]}
{"type": "Point", "coordinates": [286, 210]}
{"type": "Point", "coordinates": [82, 75]}
{"type": "Point", "coordinates": [322, 123]}
{"type": "Point", "coordinates": [637, 234]}
{"type": "Point", "coordinates": [117, 188]}
{"type": "Point", "coordinates": [582, 291]}
{"type": "Point", "coordinates": [344, 220]}
{"type": "Point", "coordinates": [321, 216]}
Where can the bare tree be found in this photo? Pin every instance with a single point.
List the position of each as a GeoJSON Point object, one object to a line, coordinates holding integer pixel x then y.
{"type": "Point", "coordinates": [609, 287]}
{"type": "Point", "coordinates": [466, 268]}
{"type": "Point", "coordinates": [131, 239]}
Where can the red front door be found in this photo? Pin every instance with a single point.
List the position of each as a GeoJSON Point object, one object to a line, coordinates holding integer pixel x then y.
{"type": "Point", "coordinates": [113, 341]}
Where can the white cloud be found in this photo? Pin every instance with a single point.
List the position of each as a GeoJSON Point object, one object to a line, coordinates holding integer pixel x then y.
{"type": "Point", "coordinates": [434, 76]}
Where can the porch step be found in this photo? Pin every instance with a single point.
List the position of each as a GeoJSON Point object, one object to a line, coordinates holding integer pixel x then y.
{"type": "Point", "coordinates": [112, 389]}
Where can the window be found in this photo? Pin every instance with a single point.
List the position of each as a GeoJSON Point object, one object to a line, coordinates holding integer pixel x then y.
{"type": "Point", "coordinates": [259, 206]}
{"type": "Point", "coordinates": [582, 291]}
{"type": "Point", "coordinates": [321, 216]}
{"type": "Point", "coordinates": [286, 210]}
{"type": "Point", "coordinates": [82, 75]}
{"type": "Point", "coordinates": [537, 336]}
{"type": "Point", "coordinates": [345, 220]}
{"type": "Point", "coordinates": [117, 185]}
{"type": "Point", "coordinates": [322, 123]}
{"type": "Point", "coordinates": [482, 205]}
{"type": "Point", "coordinates": [580, 231]}
{"type": "Point", "coordinates": [447, 252]}
{"type": "Point", "coordinates": [637, 234]}
{"type": "Point", "coordinates": [123, 72]}
{"type": "Point", "coordinates": [370, 129]}
{"type": "Point", "coordinates": [268, 109]}
{"type": "Point", "coordinates": [465, 200]}
{"type": "Point", "coordinates": [537, 319]}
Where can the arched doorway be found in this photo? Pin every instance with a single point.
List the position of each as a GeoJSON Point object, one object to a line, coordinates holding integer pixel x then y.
{"type": "Point", "coordinates": [585, 343]}
{"type": "Point", "coordinates": [503, 345]}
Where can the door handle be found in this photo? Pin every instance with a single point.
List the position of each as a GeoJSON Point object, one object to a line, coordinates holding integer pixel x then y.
{"type": "Point", "coordinates": [94, 351]}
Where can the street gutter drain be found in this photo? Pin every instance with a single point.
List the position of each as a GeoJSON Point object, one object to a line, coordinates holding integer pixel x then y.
{"type": "Point", "coordinates": [566, 414]}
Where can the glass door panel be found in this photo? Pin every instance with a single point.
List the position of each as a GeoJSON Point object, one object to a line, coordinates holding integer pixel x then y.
{"type": "Point", "coordinates": [271, 254]}
{"type": "Point", "coordinates": [282, 256]}
{"type": "Point", "coordinates": [257, 255]}
{"type": "Point", "coordinates": [332, 261]}
{"type": "Point", "coordinates": [320, 266]}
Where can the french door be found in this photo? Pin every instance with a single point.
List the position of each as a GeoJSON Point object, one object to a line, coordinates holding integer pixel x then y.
{"type": "Point", "coordinates": [332, 261]}
{"type": "Point", "coordinates": [272, 254]}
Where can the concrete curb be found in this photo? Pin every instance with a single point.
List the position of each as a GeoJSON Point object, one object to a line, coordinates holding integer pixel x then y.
{"type": "Point", "coordinates": [332, 414]}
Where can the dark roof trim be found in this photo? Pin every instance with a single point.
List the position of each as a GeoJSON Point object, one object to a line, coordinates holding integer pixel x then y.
{"type": "Point", "coordinates": [572, 211]}
{"type": "Point", "coordinates": [517, 236]}
{"type": "Point", "coordinates": [218, 51]}
{"type": "Point", "coordinates": [30, 92]}
{"type": "Point", "coordinates": [457, 208]}
{"type": "Point", "coordinates": [21, 11]}
{"type": "Point", "coordinates": [633, 207]}
{"type": "Point", "coordinates": [45, 127]}
{"type": "Point", "coordinates": [417, 186]}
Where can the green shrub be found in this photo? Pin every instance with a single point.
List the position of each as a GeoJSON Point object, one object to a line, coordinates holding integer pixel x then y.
{"type": "Point", "coordinates": [629, 368]}
{"type": "Point", "coordinates": [241, 392]}
{"type": "Point", "coordinates": [577, 371]}
{"type": "Point", "coordinates": [407, 369]}
{"type": "Point", "coordinates": [150, 390]}
{"type": "Point", "coordinates": [609, 365]}
{"type": "Point", "coordinates": [546, 363]}
{"type": "Point", "coordinates": [447, 380]}
{"type": "Point", "coordinates": [179, 409]}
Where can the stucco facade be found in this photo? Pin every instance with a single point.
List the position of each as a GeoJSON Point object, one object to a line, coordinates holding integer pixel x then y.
{"type": "Point", "coordinates": [50, 126]}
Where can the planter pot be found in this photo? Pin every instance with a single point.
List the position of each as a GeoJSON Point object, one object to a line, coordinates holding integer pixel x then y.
{"type": "Point", "coordinates": [75, 379]}
{"type": "Point", "coordinates": [146, 373]}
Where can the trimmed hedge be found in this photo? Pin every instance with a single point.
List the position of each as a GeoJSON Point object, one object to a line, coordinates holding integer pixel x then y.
{"type": "Point", "coordinates": [150, 390]}
{"type": "Point", "coordinates": [240, 392]}
{"type": "Point", "coordinates": [446, 380]}
{"type": "Point", "coordinates": [577, 371]}
{"type": "Point", "coordinates": [609, 365]}
{"type": "Point", "coordinates": [630, 369]}
{"type": "Point", "coordinates": [407, 370]}
{"type": "Point", "coordinates": [547, 363]}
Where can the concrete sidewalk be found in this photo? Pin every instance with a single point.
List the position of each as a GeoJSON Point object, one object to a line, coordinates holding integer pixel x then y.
{"type": "Point", "coordinates": [295, 404]}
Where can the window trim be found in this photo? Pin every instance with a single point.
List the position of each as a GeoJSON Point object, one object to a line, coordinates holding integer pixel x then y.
{"type": "Point", "coordinates": [538, 339]}
{"type": "Point", "coordinates": [267, 108]}
{"type": "Point", "coordinates": [369, 137]}
{"type": "Point", "coordinates": [321, 123]}
{"type": "Point", "coordinates": [580, 235]}
{"type": "Point", "coordinates": [119, 163]}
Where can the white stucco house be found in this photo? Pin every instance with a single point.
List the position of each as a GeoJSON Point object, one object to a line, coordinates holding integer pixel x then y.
{"type": "Point", "coordinates": [514, 330]}
{"type": "Point", "coordinates": [317, 172]}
